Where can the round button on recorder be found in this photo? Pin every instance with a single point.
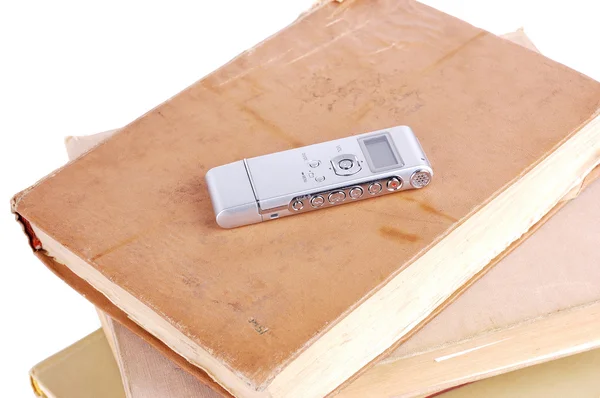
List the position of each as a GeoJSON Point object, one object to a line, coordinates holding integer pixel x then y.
{"type": "Point", "coordinates": [394, 184]}
{"type": "Point", "coordinates": [356, 192]}
{"type": "Point", "coordinates": [374, 188]}
{"type": "Point", "coordinates": [317, 201]}
{"type": "Point", "coordinates": [346, 164]}
{"type": "Point", "coordinates": [336, 197]}
{"type": "Point", "coordinates": [297, 205]}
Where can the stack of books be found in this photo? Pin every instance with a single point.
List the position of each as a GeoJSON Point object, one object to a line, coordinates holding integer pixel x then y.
{"type": "Point", "coordinates": [489, 269]}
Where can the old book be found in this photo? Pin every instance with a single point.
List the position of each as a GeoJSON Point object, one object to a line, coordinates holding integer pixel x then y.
{"type": "Point", "coordinates": [479, 335]}
{"type": "Point", "coordinates": [85, 369]}
{"type": "Point", "coordinates": [467, 330]}
{"type": "Point", "coordinates": [272, 310]}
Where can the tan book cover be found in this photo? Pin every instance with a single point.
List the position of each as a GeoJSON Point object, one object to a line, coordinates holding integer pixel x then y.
{"type": "Point", "coordinates": [86, 369]}
{"type": "Point", "coordinates": [482, 334]}
{"type": "Point", "coordinates": [133, 218]}
{"type": "Point", "coordinates": [496, 340]}
{"type": "Point", "coordinates": [82, 371]}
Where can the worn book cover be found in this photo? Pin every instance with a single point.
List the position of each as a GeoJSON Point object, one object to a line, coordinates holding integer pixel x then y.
{"type": "Point", "coordinates": [297, 306]}
{"type": "Point", "coordinates": [479, 335]}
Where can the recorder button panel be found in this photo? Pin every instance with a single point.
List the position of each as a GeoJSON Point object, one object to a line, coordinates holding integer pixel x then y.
{"type": "Point", "coordinates": [350, 193]}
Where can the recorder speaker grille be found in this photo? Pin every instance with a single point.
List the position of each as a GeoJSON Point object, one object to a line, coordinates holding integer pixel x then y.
{"type": "Point", "coordinates": [420, 179]}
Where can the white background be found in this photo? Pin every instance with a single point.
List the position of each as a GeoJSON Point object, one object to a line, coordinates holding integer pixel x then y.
{"type": "Point", "coordinates": [79, 67]}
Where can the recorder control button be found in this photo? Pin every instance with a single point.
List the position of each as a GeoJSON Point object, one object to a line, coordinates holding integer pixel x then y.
{"type": "Point", "coordinates": [336, 197]}
{"type": "Point", "coordinates": [346, 164]}
{"type": "Point", "coordinates": [320, 178]}
{"type": "Point", "coordinates": [297, 205]}
{"type": "Point", "coordinates": [394, 184]}
{"type": "Point", "coordinates": [317, 201]}
{"type": "Point", "coordinates": [356, 192]}
{"type": "Point", "coordinates": [374, 188]}
{"type": "Point", "coordinates": [314, 163]}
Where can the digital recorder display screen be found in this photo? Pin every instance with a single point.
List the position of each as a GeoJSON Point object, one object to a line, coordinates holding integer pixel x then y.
{"type": "Point", "coordinates": [380, 151]}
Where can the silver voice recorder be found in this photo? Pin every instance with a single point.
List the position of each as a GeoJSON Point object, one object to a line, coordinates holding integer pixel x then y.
{"type": "Point", "coordinates": [317, 176]}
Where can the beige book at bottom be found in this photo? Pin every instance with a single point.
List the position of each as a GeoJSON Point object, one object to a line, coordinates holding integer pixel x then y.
{"type": "Point", "coordinates": [85, 369]}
